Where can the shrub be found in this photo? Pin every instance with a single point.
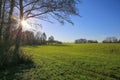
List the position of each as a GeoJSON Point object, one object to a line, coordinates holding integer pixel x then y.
{"type": "Point", "coordinates": [8, 58]}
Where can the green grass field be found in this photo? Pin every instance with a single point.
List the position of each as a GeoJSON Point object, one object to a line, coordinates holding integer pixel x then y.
{"type": "Point", "coordinates": [68, 62]}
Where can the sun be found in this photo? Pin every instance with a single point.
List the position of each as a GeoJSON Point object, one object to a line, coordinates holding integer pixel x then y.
{"type": "Point", "coordinates": [26, 26]}
{"type": "Point", "coordinates": [24, 22]}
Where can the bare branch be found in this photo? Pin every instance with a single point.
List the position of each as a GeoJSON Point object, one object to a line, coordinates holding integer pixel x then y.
{"type": "Point", "coordinates": [34, 15]}
{"type": "Point", "coordinates": [32, 9]}
{"type": "Point", "coordinates": [61, 18]}
{"type": "Point", "coordinates": [44, 19]}
{"type": "Point", "coordinates": [30, 3]}
{"type": "Point", "coordinates": [16, 5]}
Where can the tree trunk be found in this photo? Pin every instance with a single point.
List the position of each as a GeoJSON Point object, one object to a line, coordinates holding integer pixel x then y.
{"type": "Point", "coordinates": [2, 17]}
{"type": "Point", "coordinates": [18, 37]}
{"type": "Point", "coordinates": [7, 35]}
{"type": "Point", "coordinates": [7, 42]}
{"type": "Point", "coordinates": [0, 9]}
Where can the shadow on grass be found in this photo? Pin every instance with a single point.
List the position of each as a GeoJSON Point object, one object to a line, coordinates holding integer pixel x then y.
{"type": "Point", "coordinates": [14, 72]}
{"type": "Point", "coordinates": [12, 64]}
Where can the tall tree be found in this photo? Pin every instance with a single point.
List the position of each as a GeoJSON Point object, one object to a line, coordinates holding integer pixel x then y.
{"type": "Point", "coordinates": [2, 15]}
{"type": "Point", "coordinates": [10, 20]}
{"type": "Point", "coordinates": [0, 9]}
{"type": "Point", "coordinates": [0, 18]}
{"type": "Point", "coordinates": [17, 43]}
{"type": "Point", "coordinates": [45, 9]}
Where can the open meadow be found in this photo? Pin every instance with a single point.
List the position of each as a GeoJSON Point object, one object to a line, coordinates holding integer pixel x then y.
{"type": "Point", "coordinates": [68, 62]}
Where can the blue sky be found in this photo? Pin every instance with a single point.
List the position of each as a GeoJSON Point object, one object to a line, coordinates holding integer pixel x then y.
{"type": "Point", "coordinates": [100, 19]}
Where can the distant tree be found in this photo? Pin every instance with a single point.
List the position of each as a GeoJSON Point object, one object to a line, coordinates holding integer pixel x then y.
{"type": "Point", "coordinates": [92, 41]}
{"type": "Point", "coordinates": [114, 40]}
{"type": "Point", "coordinates": [27, 38]}
{"type": "Point", "coordinates": [37, 40]}
{"type": "Point", "coordinates": [95, 41]}
{"type": "Point", "coordinates": [43, 37]}
{"type": "Point", "coordinates": [119, 41]}
{"type": "Point", "coordinates": [57, 42]}
{"type": "Point", "coordinates": [105, 41]}
{"type": "Point", "coordinates": [81, 41]}
{"type": "Point", "coordinates": [51, 39]}
{"type": "Point", "coordinates": [76, 41]}
{"type": "Point", "coordinates": [110, 40]}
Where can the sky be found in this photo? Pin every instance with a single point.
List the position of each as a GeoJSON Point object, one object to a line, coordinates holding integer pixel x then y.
{"type": "Point", "coordinates": [99, 19]}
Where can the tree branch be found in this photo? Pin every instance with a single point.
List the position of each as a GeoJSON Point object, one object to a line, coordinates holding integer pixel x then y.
{"type": "Point", "coordinates": [32, 9]}
{"type": "Point", "coordinates": [30, 3]}
{"type": "Point", "coordinates": [37, 14]}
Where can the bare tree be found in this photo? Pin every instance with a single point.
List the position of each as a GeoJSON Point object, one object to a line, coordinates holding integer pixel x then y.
{"type": "Point", "coordinates": [44, 9]}
{"type": "Point", "coordinates": [44, 37]}
{"type": "Point", "coordinates": [27, 38]}
{"type": "Point", "coordinates": [7, 42]}
{"type": "Point", "coordinates": [2, 15]}
{"type": "Point", "coordinates": [17, 43]}
{"type": "Point", "coordinates": [1, 3]}
{"type": "Point", "coordinates": [0, 9]}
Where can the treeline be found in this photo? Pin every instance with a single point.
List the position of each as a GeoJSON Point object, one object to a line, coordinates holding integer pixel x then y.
{"type": "Point", "coordinates": [106, 40]}
{"type": "Point", "coordinates": [30, 38]}
{"type": "Point", "coordinates": [85, 41]}
{"type": "Point", "coordinates": [111, 40]}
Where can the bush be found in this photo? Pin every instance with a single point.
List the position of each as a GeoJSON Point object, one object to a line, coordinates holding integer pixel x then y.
{"type": "Point", "coordinates": [8, 58]}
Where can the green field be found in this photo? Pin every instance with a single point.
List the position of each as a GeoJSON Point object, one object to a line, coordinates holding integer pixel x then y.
{"type": "Point", "coordinates": [68, 62]}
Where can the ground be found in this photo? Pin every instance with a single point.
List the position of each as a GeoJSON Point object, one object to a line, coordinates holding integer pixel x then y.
{"type": "Point", "coordinates": [68, 62]}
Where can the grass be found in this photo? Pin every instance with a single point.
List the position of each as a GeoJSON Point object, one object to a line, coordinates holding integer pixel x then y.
{"type": "Point", "coordinates": [68, 62]}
